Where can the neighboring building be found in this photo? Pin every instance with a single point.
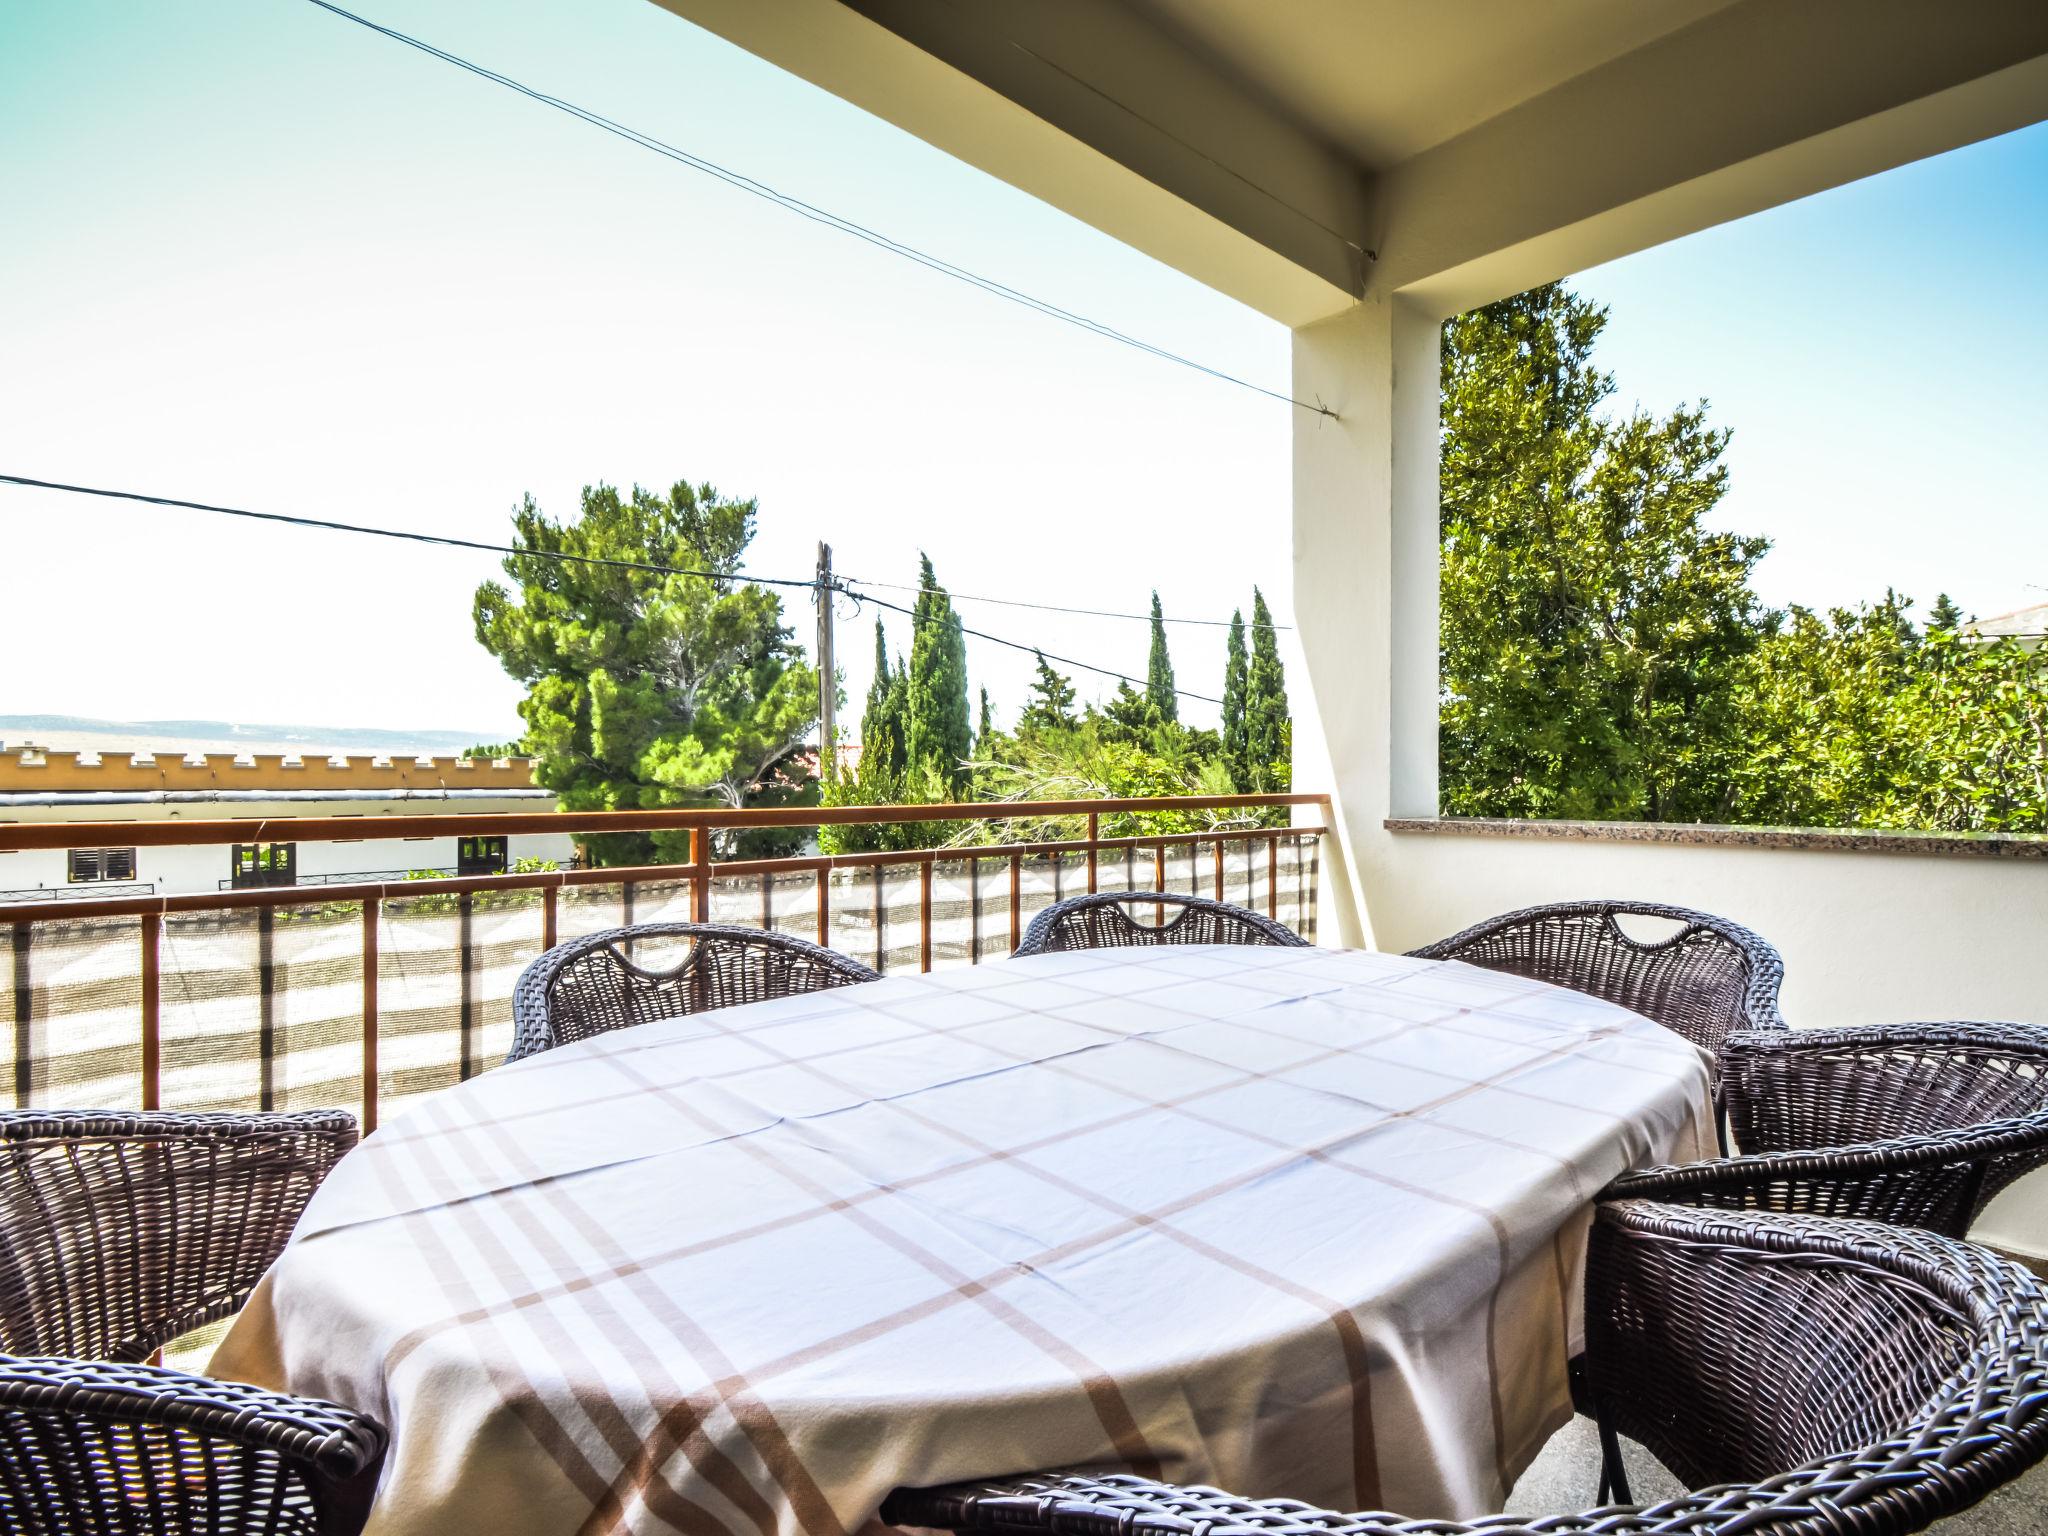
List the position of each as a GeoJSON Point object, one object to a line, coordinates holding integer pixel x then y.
{"type": "Point", "coordinates": [265, 788]}
{"type": "Point", "coordinates": [2027, 625]}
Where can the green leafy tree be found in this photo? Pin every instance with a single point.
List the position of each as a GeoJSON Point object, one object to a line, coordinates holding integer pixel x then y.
{"type": "Point", "coordinates": [1856, 720]}
{"type": "Point", "coordinates": [936, 731]}
{"type": "Point", "coordinates": [1159, 689]}
{"type": "Point", "coordinates": [1595, 629]}
{"type": "Point", "coordinates": [1818, 702]}
{"type": "Point", "coordinates": [1268, 728]}
{"type": "Point", "coordinates": [1977, 718]}
{"type": "Point", "coordinates": [647, 690]}
{"type": "Point", "coordinates": [1236, 666]}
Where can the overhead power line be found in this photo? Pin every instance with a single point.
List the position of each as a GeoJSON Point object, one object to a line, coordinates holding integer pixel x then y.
{"type": "Point", "coordinates": [398, 533]}
{"type": "Point", "coordinates": [816, 215]}
{"type": "Point", "coordinates": [843, 585]}
{"type": "Point", "coordinates": [1094, 613]}
{"type": "Point", "coordinates": [1018, 645]}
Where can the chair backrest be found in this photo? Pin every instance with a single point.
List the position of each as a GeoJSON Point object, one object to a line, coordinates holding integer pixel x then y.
{"type": "Point", "coordinates": [589, 986]}
{"type": "Point", "coordinates": [1703, 981]}
{"type": "Point", "coordinates": [1736, 1346]}
{"type": "Point", "coordinates": [89, 1448]}
{"type": "Point", "coordinates": [1105, 921]}
{"type": "Point", "coordinates": [1829, 1378]}
{"type": "Point", "coordinates": [1922, 1123]}
{"type": "Point", "coordinates": [119, 1232]}
{"type": "Point", "coordinates": [1841, 1087]}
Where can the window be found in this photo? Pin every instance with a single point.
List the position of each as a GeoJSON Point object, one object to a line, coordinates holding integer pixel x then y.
{"type": "Point", "coordinates": [261, 864]}
{"type": "Point", "coordinates": [102, 864]}
{"type": "Point", "coordinates": [480, 856]}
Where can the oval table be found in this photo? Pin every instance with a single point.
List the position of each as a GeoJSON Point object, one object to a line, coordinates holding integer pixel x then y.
{"type": "Point", "coordinates": [1292, 1221]}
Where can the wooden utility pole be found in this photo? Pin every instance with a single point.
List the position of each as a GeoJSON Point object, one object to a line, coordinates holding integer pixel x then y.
{"type": "Point", "coordinates": [828, 674]}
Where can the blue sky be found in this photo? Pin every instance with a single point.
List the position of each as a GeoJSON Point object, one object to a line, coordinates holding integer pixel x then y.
{"type": "Point", "coordinates": [256, 255]}
{"type": "Point", "coordinates": [1881, 352]}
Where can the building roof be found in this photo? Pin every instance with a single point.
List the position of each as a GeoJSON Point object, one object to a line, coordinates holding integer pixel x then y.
{"type": "Point", "coordinates": [2029, 623]}
{"type": "Point", "coordinates": [284, 799]}
{"type": "Point", "coordinates": [35, 772]}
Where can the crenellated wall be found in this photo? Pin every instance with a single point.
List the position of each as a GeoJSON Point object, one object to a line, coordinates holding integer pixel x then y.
{"type": "Point", "coordinates": [39, 772]}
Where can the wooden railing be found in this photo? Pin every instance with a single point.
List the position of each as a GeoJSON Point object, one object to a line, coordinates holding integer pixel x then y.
{"type": "Point", "coordinates": [71, 990]}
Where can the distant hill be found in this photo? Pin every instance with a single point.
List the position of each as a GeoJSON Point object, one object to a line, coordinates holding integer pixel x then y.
{"type": "Point", "coordinates": [79, 733]}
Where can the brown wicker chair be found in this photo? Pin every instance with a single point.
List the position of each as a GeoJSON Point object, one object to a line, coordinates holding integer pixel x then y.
{"type": "Point", "coordinates": [1919, 1124]}
{"type": "Point", "coordinates": [122, 1232]}
{"type": "Point", "coordinates": [1823, 1378]}
{"type": "Point", "coordinates": [1102, 922]}
{"type": "Point", "coordinates": [1706, 980]}
{"type": "Point", "coordinates": [588, 987]}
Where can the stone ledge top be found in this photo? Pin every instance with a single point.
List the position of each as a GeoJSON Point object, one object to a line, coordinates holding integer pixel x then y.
{"type": "Point", "coordinates": [1992, 845]}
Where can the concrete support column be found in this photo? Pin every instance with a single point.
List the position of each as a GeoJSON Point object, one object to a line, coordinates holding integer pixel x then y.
{"type": "Point", "coordinates": [1365, 584]}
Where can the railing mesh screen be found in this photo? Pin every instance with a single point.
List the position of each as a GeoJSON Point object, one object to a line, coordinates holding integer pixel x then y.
{"type": "Point", "coordinates": [446, 966]}
{"type": "Point", "coordinates": [75, 1005]}
{"type": "Point", "coordinates": [263, 1008]}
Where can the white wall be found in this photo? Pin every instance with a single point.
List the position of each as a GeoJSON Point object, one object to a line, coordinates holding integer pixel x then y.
{"type": "Point", "coordinates": [1365, 580]}
{"type": "Point", "coordinates": [188, 870]}
{"type": "Point", "coordinates": [1867, 936]}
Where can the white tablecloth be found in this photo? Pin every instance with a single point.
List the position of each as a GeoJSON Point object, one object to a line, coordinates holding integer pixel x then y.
{"type": "Point", "coordinates": [1291, 1221]}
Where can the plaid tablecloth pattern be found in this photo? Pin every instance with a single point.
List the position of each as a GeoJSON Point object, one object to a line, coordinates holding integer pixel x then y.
{"type": "Point", "coordinates": [1292, 1221]}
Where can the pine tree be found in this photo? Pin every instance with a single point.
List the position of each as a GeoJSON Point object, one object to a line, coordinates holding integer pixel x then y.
{"type": "Point", "coordinates": [1235, 758]}
{"type": "Point", "coordinates": [1159, 690]}
{"type": "Point", "coordinates": [936, 732]}
{"type": "Point", "coordinates": [644, 690]}
{"type": "Point", "coordinates": [1944, 614]}
{"type": "Point", "coordinates": [1268, 729]}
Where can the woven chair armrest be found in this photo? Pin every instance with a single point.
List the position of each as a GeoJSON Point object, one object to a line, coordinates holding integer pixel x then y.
{"type": "Point", "coordinates": [1081, 1504]}
{"type": "Point", "coordinates": [333, 1442]}
{"type": "Point", "coordinates": [1857, 1040]}
{"type": "Point", "coordinates": [1833, 1165]}
{"type": "Point", "coordinates": [337, 1126]}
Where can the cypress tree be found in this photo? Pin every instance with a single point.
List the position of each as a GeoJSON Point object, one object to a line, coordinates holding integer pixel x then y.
{"type": "Point", "coordinates": [878, 685]}
{"type": "Point", "coordinates": [1269, 736]}
{"type": "Point", "coordinates": [1159, 690]}
{"type": "Point", "coordinates": [881, 721]}
{"type": "Point", "coordinates": [1235, 757]}
{"type": "Point", "coordinates": [985, 727]}
{"type": "Point", "coordinates": [936, 730]}
{"type": "Point", "coordinates": [897, 711]}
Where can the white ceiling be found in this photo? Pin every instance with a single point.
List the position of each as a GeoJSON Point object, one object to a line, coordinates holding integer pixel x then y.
{"type": "Point", "coordinates": [1385, 79]}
